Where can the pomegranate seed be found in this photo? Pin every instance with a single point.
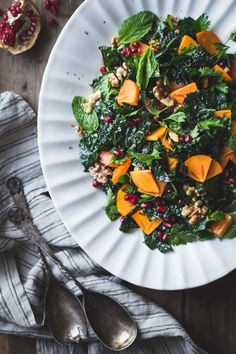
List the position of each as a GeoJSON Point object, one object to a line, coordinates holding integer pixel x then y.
{"type": "Point", "coordinates": [232, 180]}
{"type": "Point", "coordinates": [96, 184]}
{"type": "Point", "coordinates": [29, 33]}
{"type": "Point", "coordinates": [16, 3]}
{"type": "Point", "coordinates": [134, 50]}
{"type": "Point", "coordinates": [181, 138]}
{"type": "Point", "coordinates": [134, 200]}
{"type": "Point", "coordinates": [117, 153]}
{"type": "Point", "coordinates": [135, 45]}
{"type": "Point", "coordinates": [172, 218]}
{"type": "Point", "coordinates": [107, 120]}
{"type": "Point", "coordinates": [145, 205]}
{"type": "Point", "coordinates": [54, 2]}
{"type": "Point", "coordinates": [187, 139]}
{"type": "Point", "coordinates": [52, 22]}
{"type": "Point", "coordinates": [161, 209]}
{"type": "Point", "coordinates": [180, 202]}
{"type": "Point", "coordinates": [167, 225]}
{"type": "Point", "coordinates": [128, 196]}
{"type": "Point", "coordinates": [159, 234]}
{"type": "Point", "coordinates": [137, 120]}
{"type": "Point", "coordinates": [226, 181]}
{"type": "Point", "coordinates": [170, 190]}
{"type": "Point", "coordinates": [103, 69]}
{"type": "Point", "coordinates": [165, 237]}
{"type": "Point", "coordinates": [122, 218]}
{"type": "Point", "coordinates": [139, 51]}
{"type": "Point", "coordinates": [5, 16]}
{"type": "Point", "coordinates": [160, 106]}
{"type": "Point", "coordinates": [155, 119]}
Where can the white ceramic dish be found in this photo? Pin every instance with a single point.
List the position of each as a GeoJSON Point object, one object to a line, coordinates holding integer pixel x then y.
{"type": "Point", "coordinates": [73, 64]}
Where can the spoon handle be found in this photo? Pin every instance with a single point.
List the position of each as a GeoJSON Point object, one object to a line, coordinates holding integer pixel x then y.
{"type": "Point", "coordinates": [20, 216]}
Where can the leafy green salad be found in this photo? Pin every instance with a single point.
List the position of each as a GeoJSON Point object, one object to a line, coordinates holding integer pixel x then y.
{"type": "Point", "coordinates": [158, 132]}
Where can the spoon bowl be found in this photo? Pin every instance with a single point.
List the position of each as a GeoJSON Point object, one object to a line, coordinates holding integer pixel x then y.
{"type": "Point", "coordinates": [64, 314]}
{"type": "Point", "coordinates": [110, 321]}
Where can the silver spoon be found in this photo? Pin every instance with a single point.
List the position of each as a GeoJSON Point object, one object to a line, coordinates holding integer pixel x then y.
{"type": "Point", "coordinates": [110, 321]}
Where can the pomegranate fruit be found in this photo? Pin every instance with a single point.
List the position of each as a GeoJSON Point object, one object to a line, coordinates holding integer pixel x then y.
{"type": "Point", "coordinates": [19, 27]}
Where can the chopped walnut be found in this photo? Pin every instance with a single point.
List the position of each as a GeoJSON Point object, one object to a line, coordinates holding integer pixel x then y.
{"type": "Point", "coordinates": [154, 43]}
{"type": "Point", "coordinates": [174, 137]}
{"type": "Point", "coordinates": [161, 92]}
{"type": "Point", "coordinates": [93, 98]}
{"type": "Point", "coordinates": [79, 130]}
{"type": "Point", "coordinates": [100, 172]}
{"type": "Point", "coordinates": [114, 41]}
{"type": "Point", "coordinates": [168, 101]}
{"type": "Point", "coordinates": [195, 210]}
{"type": "Point", "coordinates": [113, 80]}
{"type": "Point", "coordinates": [121, 73]}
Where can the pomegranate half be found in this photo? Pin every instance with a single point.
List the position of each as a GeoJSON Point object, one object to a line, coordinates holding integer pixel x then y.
{"type": "Point", "coordinates": [19, 27]}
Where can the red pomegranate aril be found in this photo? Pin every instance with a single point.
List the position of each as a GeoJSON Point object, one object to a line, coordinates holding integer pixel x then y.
{"type": "Point", "coordinates": [134, 200]}
{"type": "Point", "coordinates": [117, 153]}
{"type": "Point", "coordinates": [5, 17]}
{"type": "Point", "coordinates": [145, 205]}
{"type": "Point", "coordinates": [107, 119]}
{"type": "Point", "coordinates": [139, 51]}
{"type": "Point", "coordinates": [137, 120]}
{"type": "Point", "coordinates": [181, 138]}
{"type": "Point", "coordinates": [231, 180]}
{"type": "Point", "coordinates": [52, 22]}
{"type": "Point", "coordinates": [96, 184]}
{"type": "Point", "coordinates": [172, 218]}
{"type": "Point", "coordinates": [170, 190]}
{"type": "Point", "coordinates": [155, 119]}
{"type": "Point", "coordinates": [167, 225]}
{"type": "Point", "coordinates": [131, 122]}
{"type": "Point", "coordinates": [135, 45]}
{"type": "Point", "coordinates": [54, 2]}
{"type": "Point", "coordinates": [122, 218]}
{"type": "Point", "coordinates": [165, 237]}
{"type": "Point", "coordinates": [159, 234]}
{"type": "Point", "coordinates": [160, 106]}
{"type": "Point", "coordinates": [187, 139]}
{"type": "Point", "coordinates": [103, 70]}
{"type": "Point", "coordinates": [161, 209]}
{"type": "Point", "coordinates": [134, 50]}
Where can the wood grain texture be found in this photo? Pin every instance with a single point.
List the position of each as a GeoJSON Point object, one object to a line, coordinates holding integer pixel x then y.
{"type": "Point", "coordinates": [208, 313]}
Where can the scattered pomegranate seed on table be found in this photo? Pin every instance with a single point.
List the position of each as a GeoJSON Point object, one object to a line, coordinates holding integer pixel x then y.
{"type": "Point", "coordinates": [52, 22]}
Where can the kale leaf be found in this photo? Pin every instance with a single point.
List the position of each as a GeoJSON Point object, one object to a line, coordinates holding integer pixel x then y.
{"type": "Point", "coordinates": [111, 208]}
{"type": "Point", "coordinates": [110, 57]}
{"type": "Point", "coordinates": [189, 26]}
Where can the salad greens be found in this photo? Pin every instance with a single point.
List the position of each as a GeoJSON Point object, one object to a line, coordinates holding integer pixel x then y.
{"type": "Point", "coordinates": [158, 133]}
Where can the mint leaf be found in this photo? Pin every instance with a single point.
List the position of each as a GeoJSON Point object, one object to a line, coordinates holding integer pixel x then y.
{"type": "Point", "coordinates": [216, 216]}
{"type": "Point", "coordinates": [135, 27]}
{"type": "Point", "coordinates": [232, 36]}
{"type": "Point", "coordinates": [146, 158]}
{"type": "Point", "coordinates": [111, 209]}
{"type": "Point", "coordinates": [178, 117]}
{"type": "Point", "coordinates": [179, 235]}
{"type": "Point", "coordinates": [88, 121]}
{"type": "Point", "coordinates": [109, 56]}
{"type": "Point", "coordinates": [232, 142]}
{"type": "Point", "coordinates": [210, 123]}
{"type": "Point", "coordinates": [147, 67]}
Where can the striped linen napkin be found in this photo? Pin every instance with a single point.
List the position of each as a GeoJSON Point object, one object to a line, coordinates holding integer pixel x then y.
{"type": "Point", "coordinates": [22, 272]}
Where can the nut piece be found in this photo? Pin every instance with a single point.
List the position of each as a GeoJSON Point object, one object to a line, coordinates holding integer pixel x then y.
{"type": "Point", "coordinates": [113, 80]}
{"type": "Point", "coordinates": [154, 43]}
{"type": "Point", "coordinates": [193, 219]}
{"type": "Point", "coordinates": [168, 101]}
{"type": "Point", "coordinates": [174, 137]}
{"type": "Point", "coordinates": [100, 172]}
{"type": "Point", "coordinates": [186, 211]}
{"type": "Point", "coordinates": [121, 73]}
{"type": "Point", "coordinates": [93, 98]}
{"type": "Point", "coordinates": [79, 130]}
{"type": "Point", "coordinates": [114, 41]}
{"type": "Point", "coordinates": [160, 91]}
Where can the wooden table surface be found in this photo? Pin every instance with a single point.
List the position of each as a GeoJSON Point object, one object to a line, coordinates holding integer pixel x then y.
{"type": "Point", "coordinates": [209, 312]}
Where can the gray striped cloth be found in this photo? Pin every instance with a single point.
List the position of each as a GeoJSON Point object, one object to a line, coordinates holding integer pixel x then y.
{"type": "Point", "coordinates": [22, 272]}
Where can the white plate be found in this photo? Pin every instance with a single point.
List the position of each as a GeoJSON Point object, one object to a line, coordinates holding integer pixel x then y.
{"type": "Point", "coordinates": [73, 64]}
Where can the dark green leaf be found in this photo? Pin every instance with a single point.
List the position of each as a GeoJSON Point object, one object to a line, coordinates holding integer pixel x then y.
{"type": "Point", "coordinates": [222, 49]}
{"type": "Point", "coordinates": [125, 179]}
{"type": "Point", "coordinates": [216, 216]}
{"type": "Point", "coordinates": [180, 236]}
{"type": "Point", "coordinates": [189, 26]}
{"type": "Point", "coordinates": [110, 57]}
{"type": "Point", "coordinates": [178, 117]}
{"type": "Point", "coordinates": [111, 209]}
{"type": "Point", "coordinates": [88, 121]}
{"type": "Point", "coordinates": [146, 68]}
{"type": "Point", "coordinates": [232, 36]}
{"type": "Point", "coordinates": [135, 27]}
{"type": "Point", "coordinates": [153, 243]}
{"type": "Point", "coordinates": [210, 123]}
{"type": "Point", "coordinates": [232, 142]}
{"type": "Point", "coordinates": [146, 159]}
